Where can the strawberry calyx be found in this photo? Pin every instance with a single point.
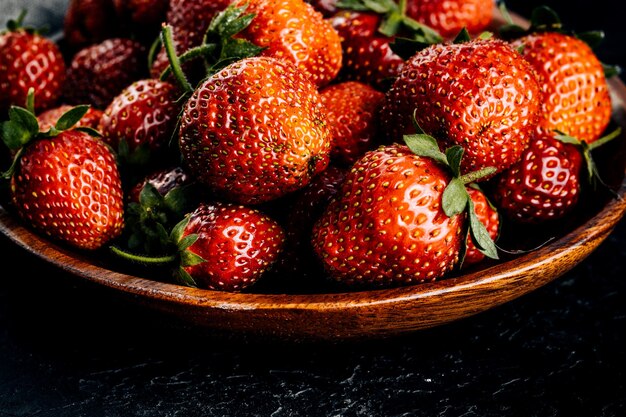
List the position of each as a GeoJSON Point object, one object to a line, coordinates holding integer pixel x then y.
{"type": "Point", "coordinates": [593, 174]}
{"type": "Point", "coordinates": [456, 199]}
{"type": "Point", "coordinates": [150, 219]}
{"type": "Point", "coordinates": [409, 35]}
{"type": "Point", "coordinates": [22, 128]}
{"type": "Point", "coordinates": [179, 256]}
{"type": "Point", "coordinates": [17, 25]}
{"type": "Point", "coordinates": [220, 46]}
{"type": "Point", "coordinates": [545, 19]}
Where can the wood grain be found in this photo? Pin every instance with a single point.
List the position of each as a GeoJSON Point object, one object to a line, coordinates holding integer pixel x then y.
{"type": "Point", "coordinates": [361, 314]}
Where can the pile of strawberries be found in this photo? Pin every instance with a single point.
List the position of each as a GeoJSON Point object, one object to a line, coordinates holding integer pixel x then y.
{"type": "Point", "coordinates": [250, 143]}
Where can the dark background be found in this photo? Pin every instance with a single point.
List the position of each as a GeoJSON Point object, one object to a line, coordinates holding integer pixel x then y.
{"type": "Point", "coordinates": [68, 348]}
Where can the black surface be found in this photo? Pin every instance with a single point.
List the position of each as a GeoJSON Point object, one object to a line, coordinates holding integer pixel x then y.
{"type": "Point", "coordinates": [69, 348]}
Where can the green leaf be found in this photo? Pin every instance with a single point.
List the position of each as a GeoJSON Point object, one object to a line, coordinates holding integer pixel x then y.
{"type": "Point", "coordinates": [480, 234]}
{"type": "Point", "coordinates": [177, 231]}
{"type": "Point", "coordinates": [90, 131]}
{"type": "Point", "coordinates": [177, 201]}
{"type": "Point", "coordinates": [187, 241]}
{"type": "Point", "coordinates": [14, 135]}
{"type": "Point", "coordinates": [511, 31]}
{"type": "Point", "coordinates": [545, 18]}
{"type": "Point", "coordinates": [391, 25]}
{"type": "Point", "coordinates": [149, 197]}
{"type": "Point", "coordinates": [425, 145]}
{"type": "Point", "coordinates": [611, 70]}
{"type": "Point", "coordinates": [71, 117]}
{"type": "Point", "coordinates": [30, 100]}
{"type": "Point", "coordinates": [454, 155]}
{"type": "Point", "coordinates": [25, 119]}
{"type": "Point", "coordinates": [455, 198]}
{"type": "Point", "coordinates": [592, 38]}
{"type": "Point", "coordinates": [504, 11]}
{"type": "Point", "coordinates": [462, 37]}
{"type": "Point", "coordinates": [184, 278]}
{"type": "Point", "coordinates": [406, 48]}
{"type": "Point", "coordinates": [188, 258]}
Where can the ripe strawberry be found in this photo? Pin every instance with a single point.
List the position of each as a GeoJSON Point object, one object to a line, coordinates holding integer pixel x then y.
{"type": "Point", "coordinates": [257, 143]}
{"type": "Point", "coordinates": [50, 117]}
{"type": "Point", "coordinates": [448, 17]}
{"type": "Point", "coordinates": [100, 72]}
{"type": "Point", "coordinates": [239, 244]}
{"type": "Point", "coordinates": [480, 94]}
{"type": "Point", "coordinates": [489, 216]}
{"type": "Point", "coordinates": [367, 56]}
{"type": "Point", "coordinates": [352, 108]}
{"type": "Point", "coordinates": [88, 22]}
{"type": "Point", "coordinates": [141, 120]}
{"type": "Point", "coordinates": [221, 247]}
{"type": "Point", "coordinates": [307, 207]}
{"type": "Point", "coordinates": [29, 60]}
{"type": "Point", "coordinates": [144, 16]}
{"type": "Point", "coordinates": [575, 95]}
{"type": "Point", "coordinates": [66, 186]}
{"type": "Point", "coordinates": [292, 30]}
{"type": "Point", "coordinates": [399, 218]}
{"type": "Point", "coordinates": [543, 185]}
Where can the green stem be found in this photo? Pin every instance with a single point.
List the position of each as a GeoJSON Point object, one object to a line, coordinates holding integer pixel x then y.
{"type": "Point", "coordinates": [605, 139]}
{"type": "Point", "coordinates": [146, 260]}
{"type": "Point", "coordinates": [193, 53]}
{"type": "Point", "coordinates": [476, 175]}
{"type": "Point", "coordinates": [168, 44]}
{"type": "Point", "coordinates": [402, 7]}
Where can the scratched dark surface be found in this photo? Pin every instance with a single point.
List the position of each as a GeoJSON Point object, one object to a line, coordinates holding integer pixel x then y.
{"type": "Point", "coordinates": [71, 349]}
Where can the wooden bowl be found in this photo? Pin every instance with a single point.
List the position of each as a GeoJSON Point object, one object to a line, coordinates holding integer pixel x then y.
{"type": "Point", "coordinates": [375, 313]}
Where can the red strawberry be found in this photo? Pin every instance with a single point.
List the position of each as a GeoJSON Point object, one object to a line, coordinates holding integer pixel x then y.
{"type": "Point", "coordinates": [100, 72]}
{"type": "Point", "coordinates": [480, 94]}
{"type": "Point", "coordinates": [310, 203]}
{"type": "Point", "coordinates": [257, 143]}
{"type": "Point", "coordinates": [448, 17]}
{"type": "Point", "coordinates": [352, 108]}
{"type": "Point", "coordinates": [292, 30]}
{"type": "Point", "coordinates": [399, 218]}
{"type": "Point", "coordinates": [144, 16]}
{"type": "Point", "coordinates": [221, 247]}
{"type": "Point", "coordinates": [367, 56]}
{"type": "Point", "coordinates": [29, 60]}
{"type": "Point", "coordinates": [50, 117]}
{"type": "Point", "coordinates": [239, 244]}
{"type": "Point", "coordinates": [65, 186]}
{"type": "Point", "coordinates": [88, 22]}
{"type": "Point", "coordinates": [575, 95]}
{"type": "Point", "coordinates": [489, 216]}
{"type": "Point", "coordinates": [143, 116]}
{"type": "Point", "coordinates": [544, 185]}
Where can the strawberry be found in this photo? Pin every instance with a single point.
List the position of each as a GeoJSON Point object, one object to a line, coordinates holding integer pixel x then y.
{"type": "Point", "coordinates": [64, 183]}
{"type": "Point", "coordinates": [143, 16]}
{"type": "Point", "coordinates": [352, 108]}
{"type": "Point", "coordinates": [489, 216]}
{"type": "Point", "coordinates": [100, 72]}
{"type": "Point", "coordinates": [448, 17]}
{"type": "Point", "coordinates": [326, 7]}
{"type": "Point", "coordinates": [543, 185]}
{"type": "Point", "coordinates": [141, 120]}
{"type": "Point", "coordinates": [29, 60]}
{"type": "Point", "coordinates": [255, 143]}
{"type": "Point", "coordinates": [367, 56]}
{"type": "Point", "coordinates": [400, 217]}
{"type": "Point", "coordinates": [480, 94]}
{"type": "Point", "coordinates": [575, 94]}
{"type": "Point", "coordinates": [221, 247]}
{"type": "Point", "coordinates": [292, 30]}
{"type": "Point", "coordinates": [368, 30]}
{"type": "Point", "coordinates": [50, 117]}
{"type": "Point", "coordinates": [307, 207]}
{"type": "Point", "coordinates": [88, 22]}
